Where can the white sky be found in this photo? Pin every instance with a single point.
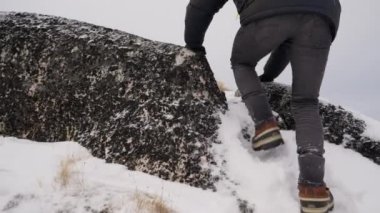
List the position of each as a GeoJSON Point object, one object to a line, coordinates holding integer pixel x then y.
{"type": "Point", "coordinates": [351, 75]}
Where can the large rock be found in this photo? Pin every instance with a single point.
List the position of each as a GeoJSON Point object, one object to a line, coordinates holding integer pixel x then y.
{"type": "Point", "coordinates": [148, 105]}
{"type": "Point", "coordinates": [340, 125]}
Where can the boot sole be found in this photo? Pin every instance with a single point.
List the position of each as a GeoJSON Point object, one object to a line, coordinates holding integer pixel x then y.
{"type": "Point", "coordinates": [323, 205]}
{"type": "Point", "coordinates": [269, 140]}
{"type": "Point", "coordinates": [271, 145]}
{"type": "Point", "coordinates": [326, 209]}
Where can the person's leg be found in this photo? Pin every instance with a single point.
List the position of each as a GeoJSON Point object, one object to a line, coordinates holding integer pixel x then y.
{"type": "Point", "coordinates": [251, 44]}
{"type": "Point", "coordinates": [278, 60]}
{"type": "Point", "coordinates": [308, 58]}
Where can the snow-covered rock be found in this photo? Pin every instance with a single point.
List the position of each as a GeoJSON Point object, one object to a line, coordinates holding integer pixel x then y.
{"type": "Point", "coordinates": [340, 125]}
{"type": "Point", "coordinates": [148, 105]}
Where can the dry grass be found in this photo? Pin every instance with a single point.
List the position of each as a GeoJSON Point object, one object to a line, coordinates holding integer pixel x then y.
{"type": "Point", "coordinates": [65, 171]}
{"type": "Point", "coordinates": [70, 133]}
{"type": "Point", "coordinates": [222, 86]}
{"type": "Point", "coordinates": [2, 127]}
{"type": "Point", "coordinates": [151, 204]}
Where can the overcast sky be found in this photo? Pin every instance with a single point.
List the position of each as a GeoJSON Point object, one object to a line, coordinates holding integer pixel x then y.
{"type": "Point", "coordinates": [352, 73]}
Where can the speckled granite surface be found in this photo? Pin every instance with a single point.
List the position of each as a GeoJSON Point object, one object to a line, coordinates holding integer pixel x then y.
{"type": "Point", "coordinates": [148, 105]}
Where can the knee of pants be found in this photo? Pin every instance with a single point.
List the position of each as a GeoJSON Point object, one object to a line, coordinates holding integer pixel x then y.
{"type": "Point", "coordinates": [241, 66]}
{"type": "Point", "coordinates": [247, 80]}
{"type": "Point", "coordinates": [299, 103]}
{"type": "Point", "coordinates": [311, 151]}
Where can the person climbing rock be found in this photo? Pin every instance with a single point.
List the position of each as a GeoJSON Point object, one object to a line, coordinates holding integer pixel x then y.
{"type": "Point", "coordinates": [295, 31]}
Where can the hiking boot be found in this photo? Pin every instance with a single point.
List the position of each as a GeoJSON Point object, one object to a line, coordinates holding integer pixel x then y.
{"type": "Point", "coordinates": [267, 135]}
{"type": "Point", "coordinates": [315, 199]}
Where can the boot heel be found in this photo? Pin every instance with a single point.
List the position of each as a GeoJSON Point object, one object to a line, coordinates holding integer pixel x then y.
{"type": "Point", "coordinates": [315, 199]}
{"type": "Point", "coordinates": [267, 136]}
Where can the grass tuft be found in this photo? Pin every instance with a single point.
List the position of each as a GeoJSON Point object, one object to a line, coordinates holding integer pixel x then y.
{"type": "Point", "coordinates": [222, 86]}
{"type": "Point", "coordinates": [151, 204]}
{"type": "Point", "coordinates": [66, 171]}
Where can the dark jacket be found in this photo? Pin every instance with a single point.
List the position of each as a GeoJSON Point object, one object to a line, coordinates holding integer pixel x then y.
{"type": "Point", "coordinates": [200, 13]}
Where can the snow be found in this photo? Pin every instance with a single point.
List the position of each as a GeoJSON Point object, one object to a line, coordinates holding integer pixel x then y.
{"type": "Point", "coordinates": [31, 177]}
{"type": "Point", "coordinates": [29, 182]}
{"type": "Point", "coordinates": [373, 126]}
{"type": "Point", "coordinates": [181, 57]}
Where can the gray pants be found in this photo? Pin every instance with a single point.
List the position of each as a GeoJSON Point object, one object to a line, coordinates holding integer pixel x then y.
{"type": "Point", "coordinates": [307, 38]}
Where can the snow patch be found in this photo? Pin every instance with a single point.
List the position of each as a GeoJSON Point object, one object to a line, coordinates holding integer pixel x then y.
{"type": "Point", "coordinates": [168, 116]}
{"type": "Point", "coordinates": [28, 183]}
{"type": "Point", "coordinates": [373, 126]}
{"type": "Point", "coordinates": [2, 15]}
{"type": "Point", "coordinates": [182, 56]}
